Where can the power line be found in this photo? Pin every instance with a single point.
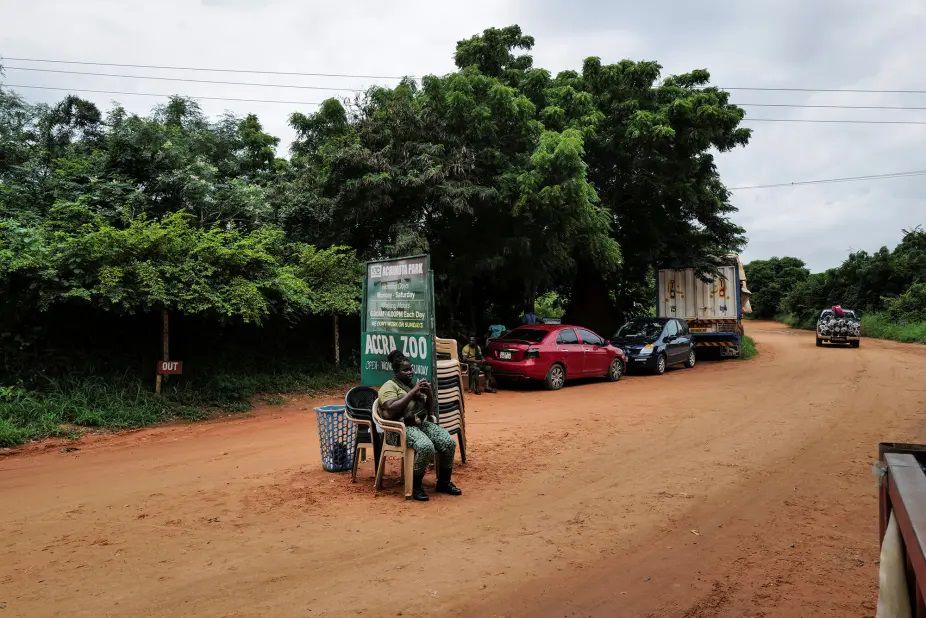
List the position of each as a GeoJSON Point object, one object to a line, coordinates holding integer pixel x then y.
{"type": "Point", "coordinates": [832, 180]}
{"type": "Point", "coordinates": [743, 188]}
{"type": "Point", "coordinates": [812, 106]}
{"type": "Point", "coordinates": [838, 121]}
{"type": "Point", "coordinates": [303, 87]}
{"type": "Point", "coordinates": [288, 102]}
{"type": "Point", "coordinates": [308, 74]}
{"type": "Point", "coordinates": [184, 79]}
{"type": "Point", "coordinates": [155, 94]}
{"type": "Point", "coordinates": [854, 90]}
{"type": "Point", "coordinates": [214, 70]}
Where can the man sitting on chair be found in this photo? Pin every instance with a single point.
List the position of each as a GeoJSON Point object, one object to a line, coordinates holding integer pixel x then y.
{"type": "Point", "coordinates": [472, 356]}
{"type": "Point", "coordinates": [403, 399]}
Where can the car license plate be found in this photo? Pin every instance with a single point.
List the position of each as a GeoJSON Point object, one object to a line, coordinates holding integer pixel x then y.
{"type": "Point", "coordinates": [504, 355]}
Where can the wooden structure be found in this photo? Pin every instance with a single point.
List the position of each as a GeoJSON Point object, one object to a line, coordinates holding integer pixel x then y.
{"type": "Point", "coordinates": [903, 492]}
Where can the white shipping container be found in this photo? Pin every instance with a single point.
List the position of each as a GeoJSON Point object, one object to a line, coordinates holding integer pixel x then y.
{"type": "Point", "coordinates": [683, 295]}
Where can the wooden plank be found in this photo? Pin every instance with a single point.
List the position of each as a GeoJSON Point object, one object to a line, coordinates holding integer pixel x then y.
{"type": "Point", "coordinates": [884, 510]}
{"type": "Point", "coordinates": [902, 448]}
{"type": "Point", "coordinates": [907, 494]}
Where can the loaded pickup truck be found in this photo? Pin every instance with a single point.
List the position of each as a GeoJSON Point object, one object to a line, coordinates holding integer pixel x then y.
{"type": "Point", "coordinates": [833, 328]}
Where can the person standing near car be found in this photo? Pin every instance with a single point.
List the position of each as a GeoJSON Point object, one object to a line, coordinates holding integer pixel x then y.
{"type": "Point", "coordinates": [472, 356]}
{"type": "Point", "coordinates": [403, 399]}
{"type": "Point", "coordinates": [496, 331]}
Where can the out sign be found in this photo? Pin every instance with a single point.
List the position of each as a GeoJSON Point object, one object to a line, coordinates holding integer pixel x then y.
{"type": "Point", "coordinates": [170, 367]}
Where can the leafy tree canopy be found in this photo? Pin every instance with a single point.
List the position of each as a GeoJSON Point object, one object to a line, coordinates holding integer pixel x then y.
{"type": "Point", "coordinates": [579, 183]}
{"type": "Point", "coordinates": [771, 280]}
{"type": "Point", "coordinates": [518, 182]}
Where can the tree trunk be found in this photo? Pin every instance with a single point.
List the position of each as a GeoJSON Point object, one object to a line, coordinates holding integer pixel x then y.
{"type": "Point", "coordinates": [337, 342]}
{"type": "Point", "coordinates": [165, 349]}
{"type": "Point", "coordinates": [528, 303]}
{"type": "Point", "coordinates": [590, 304]}
{"type": "Point", "coordinates": [471, 330]}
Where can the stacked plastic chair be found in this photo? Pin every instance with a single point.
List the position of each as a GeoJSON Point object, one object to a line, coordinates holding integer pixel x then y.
{"type": "Point", "coordinates": [358, 406]}
{"type": "Point", "coordinates": [451, 412]}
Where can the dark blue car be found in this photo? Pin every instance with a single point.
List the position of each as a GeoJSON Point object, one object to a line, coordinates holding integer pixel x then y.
{"type": "Point", "coordinates": [655, 344]}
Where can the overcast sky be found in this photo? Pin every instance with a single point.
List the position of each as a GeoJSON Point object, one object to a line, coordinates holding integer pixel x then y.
{"type": "Point", "coordinates": [835, 44]}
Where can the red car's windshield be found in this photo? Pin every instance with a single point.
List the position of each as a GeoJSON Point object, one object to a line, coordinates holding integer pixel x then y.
{"type": "Point", "coordinates": [528, 335]}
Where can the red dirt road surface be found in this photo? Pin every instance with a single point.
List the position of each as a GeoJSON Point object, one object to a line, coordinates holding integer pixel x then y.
{"type": "Point", "coordinates": [732, 489]}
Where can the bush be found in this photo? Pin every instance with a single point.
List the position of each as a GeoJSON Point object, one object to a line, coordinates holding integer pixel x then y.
{"type": "Point", "coordinates": [10, 434]}
{"type": "Point", "coordinates": [883, 326]}
{"type": "Point", "coordinates": [748, 348]}
{"type": "Point", "coordinates": [909, 307]}
{"type": "Point", "coordinates": [549, 305]}
{"type": "Point", "coordinates": [794, 322]}
{"type": "Point", "coordinates": [63, 405]}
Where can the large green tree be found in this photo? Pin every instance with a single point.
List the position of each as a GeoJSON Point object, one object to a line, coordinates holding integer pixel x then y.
{"type": "Point", "coordinates": [771, 280]}
{"type": "Point", "coordinates": [518, 182]}
{"type": "Point", "coordinates": [459, 168]}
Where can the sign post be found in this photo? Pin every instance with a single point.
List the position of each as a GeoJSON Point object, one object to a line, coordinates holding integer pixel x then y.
{"type": "Point", "coordinates": [397, 314]}
{"type": "Point", "coordinates": [165, 354]}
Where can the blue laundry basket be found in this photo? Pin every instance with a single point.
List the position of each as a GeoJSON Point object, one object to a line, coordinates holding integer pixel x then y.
{"type": "Point", "coordinates": [337, 438]}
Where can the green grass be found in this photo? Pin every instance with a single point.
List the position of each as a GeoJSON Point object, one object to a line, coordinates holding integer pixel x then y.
{"type": "Point", "coordinates": [59, 407]}
{"type": "Point", "coordinates": [748, 348]}
{"type": "Point", "coordinates": [878, 325]}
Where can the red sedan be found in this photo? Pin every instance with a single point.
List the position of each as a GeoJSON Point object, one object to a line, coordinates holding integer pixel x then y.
{"type": "Point", "coordinates": [553, 353]}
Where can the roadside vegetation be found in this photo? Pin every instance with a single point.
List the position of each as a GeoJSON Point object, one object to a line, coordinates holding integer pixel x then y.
{"type": "Point", "coordinates": [63, 406]}
{"type": "Point", "coordinates": [887, 288]}
{"type": "Point", "coordinates": [577, 185]}
{"type": "Point", "coordinates": [880, 326]}
{"type": "Point", "coordinates": [748, 348]}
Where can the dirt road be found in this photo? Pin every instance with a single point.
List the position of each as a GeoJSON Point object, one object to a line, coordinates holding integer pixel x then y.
{"type": "Point", "coordinates": [733, 489]}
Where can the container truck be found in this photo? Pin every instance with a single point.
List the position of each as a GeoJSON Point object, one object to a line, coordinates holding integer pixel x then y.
{"type": "Point", "coordinates": [713, 308]}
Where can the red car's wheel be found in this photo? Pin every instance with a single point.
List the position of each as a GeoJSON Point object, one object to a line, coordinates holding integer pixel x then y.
{"type": "Point", "coordinates": [556, 377]}
{"type": "Point", "coordinates": [616, 370]}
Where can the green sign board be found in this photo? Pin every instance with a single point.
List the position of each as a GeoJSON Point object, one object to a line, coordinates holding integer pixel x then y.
{"type": "Point", "coordinates": [375, 368]}
{"type": "Point", "coordinates": [398, 314]}
{"type": "Point", "coordinates": [397, 296]}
